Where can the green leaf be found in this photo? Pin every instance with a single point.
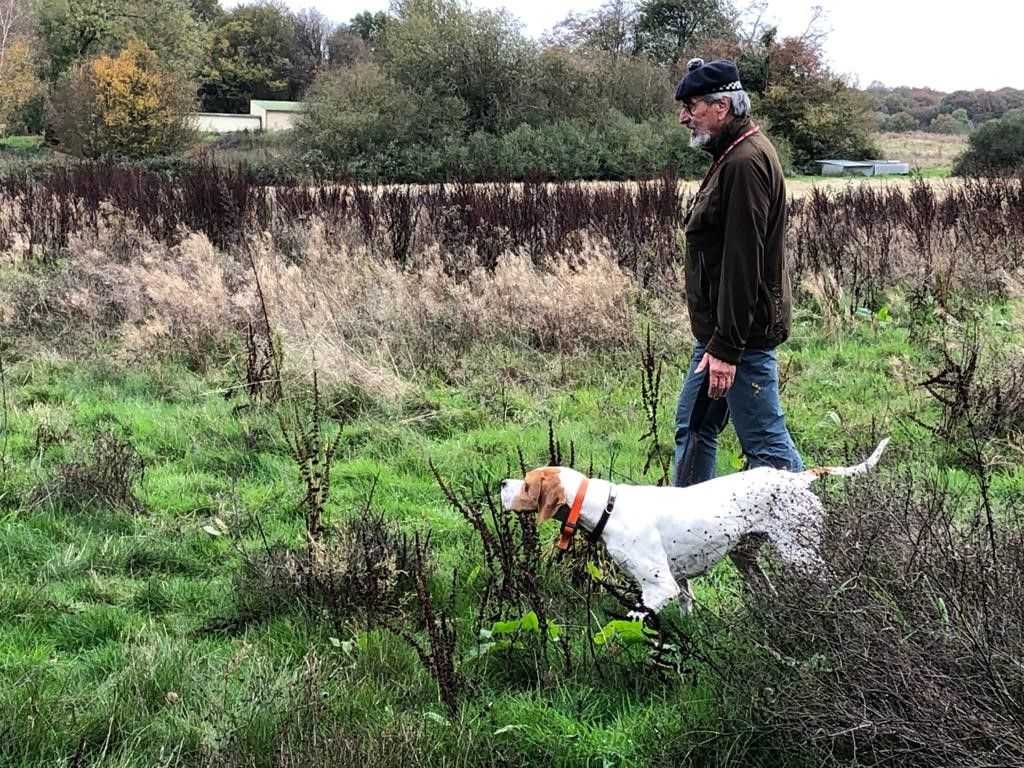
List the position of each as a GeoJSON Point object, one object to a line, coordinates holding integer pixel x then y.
{"type": "Point", "coordinates": [625, 632]}
{"type": "Point", "coordinates": [507, 728]}
{"type": "Point", "coordinates": [530, 622]}
{"type": "Point", "coordinates": [554, 631]}
{"type": "Point", "coordinates": [594, 571]}
{"type": "Point", "coordinates": [506, 627]}
{"type": "Point", "coordinates": [212, 531]}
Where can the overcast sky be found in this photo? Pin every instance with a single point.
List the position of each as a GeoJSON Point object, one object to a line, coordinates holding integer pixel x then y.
{"type": "Point", "coordinates": [943, 45]}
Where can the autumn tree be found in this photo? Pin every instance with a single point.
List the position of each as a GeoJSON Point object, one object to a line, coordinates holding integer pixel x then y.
{"type": "Point", "coordinates": [20, 84]}
{"type": "Point", "coordinates": [800, 100]}
{"type": "Point", "coordinates": [15, 17]}
{"type": "Point", "coordinates": [126, 106]}
{"type": "Point", "coordinates": [18, 62]}
{"type": "Point", "coordinates": [983, 105]}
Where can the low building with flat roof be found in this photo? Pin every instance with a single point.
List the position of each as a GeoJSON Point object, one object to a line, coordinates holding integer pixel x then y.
{"type": "Point", "coordinates": [863, 167]}
{"type": "Point", "coordinates": [264, 115]}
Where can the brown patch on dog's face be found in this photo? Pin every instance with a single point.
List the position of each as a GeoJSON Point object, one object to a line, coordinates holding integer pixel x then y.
{"type": "Point", "coordinates": [542, 490]}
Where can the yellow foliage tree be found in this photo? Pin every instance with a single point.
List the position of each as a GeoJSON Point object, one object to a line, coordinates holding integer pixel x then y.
{"type": "Point", "coordinates": [126, 106]}
{"type": "Point", "coordinates": [18, 75]}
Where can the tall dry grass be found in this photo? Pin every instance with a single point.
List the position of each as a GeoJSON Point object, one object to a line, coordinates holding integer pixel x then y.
{"type": "Point", "coordinates": [336, 306]}
{"type": "Point", "coordinates": [376, 286]}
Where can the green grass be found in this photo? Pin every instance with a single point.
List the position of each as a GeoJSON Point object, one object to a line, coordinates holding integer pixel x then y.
{"type": "Point", "coordinates": [119, 635]}
{"type": "Point", "coordinates": [21, 143]}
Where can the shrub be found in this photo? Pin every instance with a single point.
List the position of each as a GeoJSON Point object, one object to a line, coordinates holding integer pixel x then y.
{"type": "Point", "coordinates": [128, 106]}
{"type": "Point", "coordinates": [901, 122]}
{"type": "Point", "coordinates": [996, 148]}
{"type": "Point", "coordinates": [359, 569]}
{"type": "Point", "coordinates": [909, 655]}
{"type": "Point", "coordinates": [361, 123]}
{"type": "Point", "coordinates": [104, 480]}
{"type": "Point", "coordinates": [366, 124]}
{"type": "Point", "coordinates": [954, 123]}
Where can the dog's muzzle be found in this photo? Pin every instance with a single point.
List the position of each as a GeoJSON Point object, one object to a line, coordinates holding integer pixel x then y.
{"type": "Point", "coordinates": [509, 490]}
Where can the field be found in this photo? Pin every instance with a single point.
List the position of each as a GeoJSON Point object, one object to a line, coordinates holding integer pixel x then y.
{"type": "Point", "coordinates": [250, 447]}
{"type": "Point", "coordinates": [922, 150]}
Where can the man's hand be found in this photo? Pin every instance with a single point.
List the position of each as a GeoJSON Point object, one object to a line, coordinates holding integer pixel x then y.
{"type": "Point", "coordinates": [720, 375]}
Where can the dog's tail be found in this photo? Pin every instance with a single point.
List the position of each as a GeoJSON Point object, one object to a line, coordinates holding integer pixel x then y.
{"type": "Point", "coordinates": [858, 469]}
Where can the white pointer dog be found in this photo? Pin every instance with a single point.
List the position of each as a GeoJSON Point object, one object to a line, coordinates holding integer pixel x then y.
{"type": "Point", "coordinates": [663, 536]}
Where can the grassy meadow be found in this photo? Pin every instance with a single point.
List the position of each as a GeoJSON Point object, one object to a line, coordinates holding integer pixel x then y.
{"type": "Point", "coordinates": [250, 447]}
{"type": "Point", "coordinates": [924, 151]}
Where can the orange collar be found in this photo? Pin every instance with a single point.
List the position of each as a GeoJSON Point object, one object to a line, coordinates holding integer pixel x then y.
{"type": "Point", "coordinates": [570, 524]}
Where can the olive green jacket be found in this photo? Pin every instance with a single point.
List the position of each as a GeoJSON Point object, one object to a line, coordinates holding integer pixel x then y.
{"type": "Point", "coordinates": [737, 286]}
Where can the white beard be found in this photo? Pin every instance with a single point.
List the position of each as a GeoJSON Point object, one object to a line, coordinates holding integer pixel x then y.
{"type": "Point", "coordinates": [698, 140]}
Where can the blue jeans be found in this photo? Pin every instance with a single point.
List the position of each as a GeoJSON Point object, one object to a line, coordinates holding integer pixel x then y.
{"type": "Point", "coordinates": [753, 403]}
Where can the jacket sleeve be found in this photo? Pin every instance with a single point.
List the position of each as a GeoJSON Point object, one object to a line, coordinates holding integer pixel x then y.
{"type": "Point", "coordinates": [744, 186]}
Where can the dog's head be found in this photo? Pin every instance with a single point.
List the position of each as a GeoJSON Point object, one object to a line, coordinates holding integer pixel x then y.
{"type": "Point", "coordinates": [544, 490]}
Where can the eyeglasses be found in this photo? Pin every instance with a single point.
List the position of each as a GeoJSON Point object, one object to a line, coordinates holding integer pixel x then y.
{"type": "Point", "coordinates": [691, 107]}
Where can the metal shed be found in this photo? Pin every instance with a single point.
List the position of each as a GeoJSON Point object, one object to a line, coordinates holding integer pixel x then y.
{"type": "Point", "coordinates": [862, 167]}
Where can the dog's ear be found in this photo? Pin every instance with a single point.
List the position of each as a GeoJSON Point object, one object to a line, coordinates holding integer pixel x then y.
{"type": "Point", "coordinates": [550, 497]}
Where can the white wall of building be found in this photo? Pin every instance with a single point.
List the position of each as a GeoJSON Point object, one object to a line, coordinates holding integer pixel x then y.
{"type": "Point", "coordinates": [215, 122]}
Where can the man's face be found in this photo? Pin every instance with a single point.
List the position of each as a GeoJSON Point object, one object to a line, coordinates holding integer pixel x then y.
{"type": "Point", "coordinates": [704, 120]}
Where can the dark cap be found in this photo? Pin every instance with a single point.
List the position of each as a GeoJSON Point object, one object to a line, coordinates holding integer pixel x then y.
{"type": "Point", "coordinates": [713, 77]}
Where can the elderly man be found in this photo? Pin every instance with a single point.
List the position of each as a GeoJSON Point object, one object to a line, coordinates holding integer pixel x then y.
{"type": "Point", "coordinates": [737, 287]}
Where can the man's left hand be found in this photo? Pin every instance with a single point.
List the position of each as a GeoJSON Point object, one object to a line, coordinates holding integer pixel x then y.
{"type": "Point", "coordinates": [720, 375]}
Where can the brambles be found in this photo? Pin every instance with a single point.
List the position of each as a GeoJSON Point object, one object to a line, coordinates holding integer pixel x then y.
{"type": "Point", "coordinates": [909, 653]}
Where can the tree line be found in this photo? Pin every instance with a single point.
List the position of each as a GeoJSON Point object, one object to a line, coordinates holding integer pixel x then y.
{"type": "Point", "coordinates": [904, 109]}
{"type": "Point", "coordinates": [430, 89]}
